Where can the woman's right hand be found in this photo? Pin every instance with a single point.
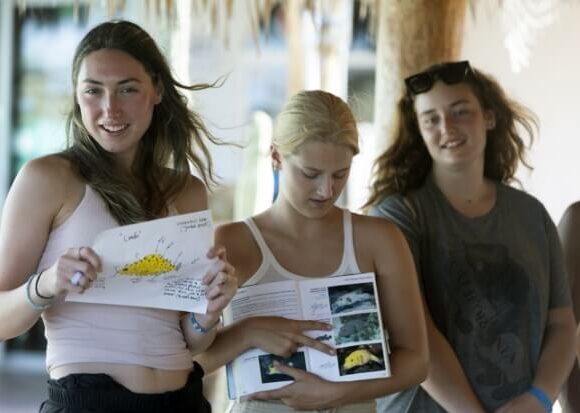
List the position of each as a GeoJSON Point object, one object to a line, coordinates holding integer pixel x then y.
{"type": "Point", "coordinates": [60, 278]}
{"type": "Point", "coordinates": [282, 336]}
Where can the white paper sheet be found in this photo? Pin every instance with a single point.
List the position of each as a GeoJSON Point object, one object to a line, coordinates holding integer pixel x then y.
{"type": "Point", "coordinates": [158, 263]}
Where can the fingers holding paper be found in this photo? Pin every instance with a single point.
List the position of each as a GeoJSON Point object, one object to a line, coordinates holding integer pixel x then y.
{"type": "Point", "coordinates": [221, 286]}
{"type": "Point", "coordinates": [220, 281]}
{"type": "Point", "coordinates": [74, 271]}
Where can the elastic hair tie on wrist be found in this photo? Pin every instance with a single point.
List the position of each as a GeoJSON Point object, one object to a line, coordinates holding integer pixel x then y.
{"type": "Point", "coordinates": [38, 307]}
{"type": "Point", "coordinates": [198, 327]}
{"type": "Point", "coordinates": [542, 398]}
{"type": "Point", "coordinates": [36, 287]}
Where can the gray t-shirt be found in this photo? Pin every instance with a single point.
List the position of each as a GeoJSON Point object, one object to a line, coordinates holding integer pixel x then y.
{"type": "Point", "coordinates": [488, 283]}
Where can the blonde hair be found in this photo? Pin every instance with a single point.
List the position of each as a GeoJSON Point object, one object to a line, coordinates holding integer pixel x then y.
{"type": "Point", "coordinates": [314, 115]}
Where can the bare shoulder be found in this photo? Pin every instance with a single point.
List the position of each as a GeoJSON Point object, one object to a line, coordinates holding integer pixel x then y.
{"type": "Point", "coordinates": [48, 169]}
{"type": "Point", "coordinates": [241, 248]}
{"type": "Point", "coordinates": [193, 196]}
{"type": "Point", "coordinates": [51, 178]}
{"type": "Point", "coordinates": [233, 231]}
{"type": "Point", "coordinates": [42, 194]}
{"type": "Point", "coordinates": [571, 216]}
{"type": "Point", "coordinates": [569, 232]}
{"type": "Point", "coordinates": [377, 241]}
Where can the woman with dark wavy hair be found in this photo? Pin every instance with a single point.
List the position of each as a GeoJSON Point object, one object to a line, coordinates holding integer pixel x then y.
{"type": "Point", "coordinates": [132, 139]}
{"type": "Point", "coordinates": [499, 320]}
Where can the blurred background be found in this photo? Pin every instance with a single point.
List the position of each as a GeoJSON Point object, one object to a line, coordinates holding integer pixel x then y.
{"type": "Point", "coordinates": [267, 50]}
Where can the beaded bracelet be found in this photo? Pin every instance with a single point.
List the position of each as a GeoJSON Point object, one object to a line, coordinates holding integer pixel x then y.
{"type": "Point", "coordinates": [542, 398]}
{"type": "Point", "coordinates": [36, 288]}
{"type": "Point", "coordinates": [198, 327]}
{"type": "Point", "coordinates": [39, 307]}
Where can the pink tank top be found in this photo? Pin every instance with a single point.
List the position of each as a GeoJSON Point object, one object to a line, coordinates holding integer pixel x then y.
{"type": "Point", "coordinates": [94, 333]}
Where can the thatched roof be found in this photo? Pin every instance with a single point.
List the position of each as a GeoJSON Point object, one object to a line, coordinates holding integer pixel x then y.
{"type": "Point", "coordinates": [522, 19]}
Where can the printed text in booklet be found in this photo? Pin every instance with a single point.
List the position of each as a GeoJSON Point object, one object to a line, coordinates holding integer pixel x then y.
{"type": "Point", "coordinates": [349, 303]}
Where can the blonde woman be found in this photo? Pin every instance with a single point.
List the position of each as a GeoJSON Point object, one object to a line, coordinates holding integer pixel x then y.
{"type": "Point", "coordinates": [303, 235]}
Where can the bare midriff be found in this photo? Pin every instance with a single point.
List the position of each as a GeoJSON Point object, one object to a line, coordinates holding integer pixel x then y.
{"type": "Point", "coordinates": [138, 379]}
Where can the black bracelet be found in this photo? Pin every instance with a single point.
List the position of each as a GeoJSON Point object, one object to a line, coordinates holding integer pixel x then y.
{"type": "Point", "coordinates": [44, 297]}
{"type": "Point", "coordinates": [37, 307]}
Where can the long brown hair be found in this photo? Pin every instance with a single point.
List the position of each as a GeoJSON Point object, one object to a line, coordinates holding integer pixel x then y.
{"type": "Point", "coordinates": [162, 164]}
{"type": "Point", "coordinates": [404, 166]}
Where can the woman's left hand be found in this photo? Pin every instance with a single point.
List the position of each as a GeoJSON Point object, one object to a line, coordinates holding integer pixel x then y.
{"type": "Point", "coordinates": [524, 403]}
{"type": "Point", "coordinates": [221, 285]}
{"type": "Point", "coordinates": [308, 392]}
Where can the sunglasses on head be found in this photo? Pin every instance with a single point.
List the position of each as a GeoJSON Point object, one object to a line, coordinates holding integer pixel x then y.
{"type": "Point", "coordinates": [450, 73]}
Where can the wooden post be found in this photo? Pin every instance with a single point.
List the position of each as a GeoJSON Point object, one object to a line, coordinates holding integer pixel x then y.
{"type": "Point", "coordinates": [293, 19]}
{"type": "Point", "coordinates": [319, 36]}
{"type": "Point", "coordinates": [412, 34]}
{"type": "Point", "coordinates": [334, 46]}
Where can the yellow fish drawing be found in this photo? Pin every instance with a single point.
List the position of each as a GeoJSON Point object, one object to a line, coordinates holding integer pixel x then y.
{"type": "Point", "coordinates": [359, 357]}
{"type": "Point", "coordinates": [149, 265]}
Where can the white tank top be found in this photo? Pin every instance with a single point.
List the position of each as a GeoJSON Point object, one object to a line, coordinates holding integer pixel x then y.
{"type": "Point", "coordinates": [270, 269]}
{"type": "Point", "coordinates": [95, 333]}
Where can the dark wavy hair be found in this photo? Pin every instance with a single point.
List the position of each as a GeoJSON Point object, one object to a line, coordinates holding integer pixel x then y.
{"type": "Point", "coordinates": [172, 141]}
{"type": "Point", "coordinates": [404, 166]}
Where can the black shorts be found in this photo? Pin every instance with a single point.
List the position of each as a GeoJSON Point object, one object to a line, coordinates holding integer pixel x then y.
{"type": "Point", "coordinates": [98, 393]}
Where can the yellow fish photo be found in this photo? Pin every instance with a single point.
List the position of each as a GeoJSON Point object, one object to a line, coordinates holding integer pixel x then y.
{"type": "Point", "coordinates": [360, 358]}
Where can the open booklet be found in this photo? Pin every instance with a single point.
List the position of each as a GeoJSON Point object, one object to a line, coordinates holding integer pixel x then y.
{"type": "Point", "coordinates": [158, 263]}
{"type": "Point", "coordinates": [350, 303]}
